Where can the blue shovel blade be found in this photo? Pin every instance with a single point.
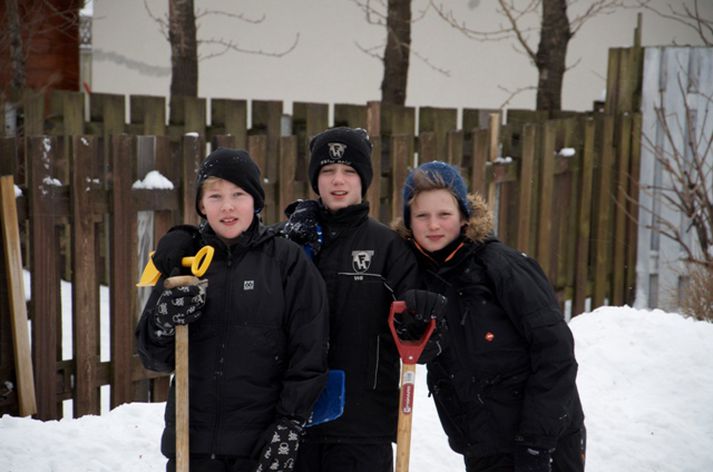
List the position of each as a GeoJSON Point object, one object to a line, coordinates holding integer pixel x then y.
{"type": "Point", "coordinates": [330, 404]}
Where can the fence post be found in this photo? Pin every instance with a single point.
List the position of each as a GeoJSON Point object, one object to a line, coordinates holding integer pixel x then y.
{"type": "Point", "coordinates": [193, 154]}
{"type": "Point", "coordinates": [230, 117]}
{"type": "Point", "coordinates": [288, 164]}
{"type": "Point", "coordinates": [544, 232]}
{"type": "Point", "coordinates": [257, 148]}
{"type": "Point", "coordinates": [354, 116]}
{"type": "Point", "coordinates": [603, 231]}
{"type": "Point", "coordinates": [481, 169]}
{"type": "Point", "coordinates": [527, 170]}
{"type": "Point", "coordinates": [85, 288]}
{"type": "Point", "coordinates": [147, 115]}
{"type": "Point", "coordinates": [401, 154]}
{"type": "Point", "coordinates": [584, 222]}
{"type": "Point", "coordinates": [124, 267]}
{"type": "Point", "coordinates": [454, 148]}
{"type": "Point", "coordinates": [439, 121]}
{"type": "Point", "coordinates": [427, 147]}
{"type": "Point", "coordinates": [44, 269]}
{"type": "Point", "coordinates": [633, 210]}
{"type": "Point", "coordinates": [620, 217]}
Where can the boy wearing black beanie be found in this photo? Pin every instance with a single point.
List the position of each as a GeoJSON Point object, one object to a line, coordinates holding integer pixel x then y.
{"type": "Point", "coordinates": [258, 337]}
{"type": "Point", "coordinates": [365, 266]}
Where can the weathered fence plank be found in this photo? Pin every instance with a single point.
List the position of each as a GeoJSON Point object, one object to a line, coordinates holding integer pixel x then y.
{"type": "Point", "coordinates": [122, 291]}
{"type": "Point", "coordinates": [45, 196]}
{"type": "Point", "coordinates": [85, 186]}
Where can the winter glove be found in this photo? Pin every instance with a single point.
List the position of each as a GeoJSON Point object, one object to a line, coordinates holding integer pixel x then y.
{"type": "Point", "coordinates": [179, 306]}
{"type": "Point", "coordinates": [422, 306]}
{"type": "Point", "coordinates": [527, 459]}
{"type": "Point", "coordinates": [281, 442]}
{"type": "Point", "coordinates": [303, 226]}
{"type": "Point", "coordinates": [180, 241]}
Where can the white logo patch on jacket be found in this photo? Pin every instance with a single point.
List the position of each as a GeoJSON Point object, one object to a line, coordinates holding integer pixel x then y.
{"type": "Point", "coordinates": [361, 260]}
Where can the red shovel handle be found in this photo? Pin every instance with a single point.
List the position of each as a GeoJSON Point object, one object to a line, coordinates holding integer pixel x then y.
{"type": "Point", "coordinates": [409, 351]}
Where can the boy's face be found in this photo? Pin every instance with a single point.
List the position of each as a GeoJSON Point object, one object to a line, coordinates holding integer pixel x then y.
{"type": "Point", "coordinates": [228, 208]}
{"type": "Point", "coordinates": [339, 186]}
{"type": "Point", "coordinates": [435, 219]}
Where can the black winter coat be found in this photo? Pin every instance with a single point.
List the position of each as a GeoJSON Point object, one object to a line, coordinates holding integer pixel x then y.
{"type": "Point", "coordinates": [257, 353]}
{"type": "Point", "coordinates": [508, 373]}
{"type": "Point", "coordinates": [365, 266]}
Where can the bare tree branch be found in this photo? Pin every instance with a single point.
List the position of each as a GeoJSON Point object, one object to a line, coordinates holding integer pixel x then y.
{"type": "Point", "coordinates": [685, 15]}
{"type": "Point", "coordinates": [233, 46]}
{"type": "Point", "coordinates": [377, 17]}
{"type": "Point", "coordinates": [686, 158]}
{"type": "Point", "coordinates": [237, 16]}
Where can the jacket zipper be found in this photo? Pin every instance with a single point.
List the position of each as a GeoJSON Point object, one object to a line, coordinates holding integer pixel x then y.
{"type": "Point", "coordinates": [220, 348]}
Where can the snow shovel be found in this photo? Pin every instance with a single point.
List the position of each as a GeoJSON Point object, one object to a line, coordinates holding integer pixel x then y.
{"type": "Point", "coordinates": [330, 404]}
{"type": "Point", "coordinates": [199, 265]}
{"type": "Point", "coordinates": [409, 351]}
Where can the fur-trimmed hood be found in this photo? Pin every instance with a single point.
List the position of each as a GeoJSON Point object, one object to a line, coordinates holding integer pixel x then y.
{"type": "Point", "coordinates": [479, 226]}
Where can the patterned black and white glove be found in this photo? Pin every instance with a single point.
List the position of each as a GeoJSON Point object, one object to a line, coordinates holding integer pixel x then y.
{"type": "Point", "coordinates": [280, 451]}
{"type": "Point", "coordinates": [303, 225]}
{"type": "Point", "coordinates": [179, 306]}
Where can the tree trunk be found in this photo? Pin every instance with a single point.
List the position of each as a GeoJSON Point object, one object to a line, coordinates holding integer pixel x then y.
{"type": "Point", "coordinates": [396, 54]}
{"type": "Point", "coordinates": [184, 49]}
{"type": "Point", "coordinates": [552, 54]}
{"type": "Point", "coordinates": [17, 53]}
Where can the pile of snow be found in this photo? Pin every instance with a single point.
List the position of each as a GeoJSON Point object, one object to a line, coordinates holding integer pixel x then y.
{"type": "Point", "coordinates": [644, 378]}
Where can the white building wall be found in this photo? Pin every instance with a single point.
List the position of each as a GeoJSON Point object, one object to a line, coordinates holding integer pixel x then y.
{"type": "Point", "coordinates": [132, 57]}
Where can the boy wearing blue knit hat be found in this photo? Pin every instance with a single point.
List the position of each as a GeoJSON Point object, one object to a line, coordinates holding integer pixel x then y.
{"type": "Point", "coordinates": [504, 387]}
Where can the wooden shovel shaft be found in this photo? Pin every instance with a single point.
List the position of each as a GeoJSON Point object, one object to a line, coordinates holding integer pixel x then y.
{"type": "Point", "coordinates": [181, 372]}
{"type": "Point", "coordinates": [182, 425]}
{"type": "Point", "coordinates": [403, 431]}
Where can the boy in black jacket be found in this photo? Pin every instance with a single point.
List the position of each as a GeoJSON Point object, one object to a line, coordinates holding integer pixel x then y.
{"type": "Point", "coordinates": [504, 387]}
{"type": "Point", "coordinates": [258, 333]}
{"type": "Point", "coordinates": [365, 266]}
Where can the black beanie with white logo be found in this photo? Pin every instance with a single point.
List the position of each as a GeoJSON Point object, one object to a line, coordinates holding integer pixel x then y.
{"type": "Point", "coordinates": [233, 165]}
{"type": "Point", "coordinates": [342, 145]}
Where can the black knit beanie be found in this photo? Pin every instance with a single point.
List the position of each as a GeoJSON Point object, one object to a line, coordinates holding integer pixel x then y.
{"type": "Point", "coordinates": [233, 165]}
{"type": "Point", "coordinates": [349, 146]}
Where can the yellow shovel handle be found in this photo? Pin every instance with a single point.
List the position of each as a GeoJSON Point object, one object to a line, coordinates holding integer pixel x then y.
{"type": "Point", "coordinates": [200, 262]}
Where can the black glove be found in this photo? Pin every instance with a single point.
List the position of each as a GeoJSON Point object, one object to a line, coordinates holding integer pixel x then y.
{"type": "Point", "coordinates": [281, 442]}
{"type": "Point", "coordinates": [179, 306]}
{"type": "Point", "coordinates": [303, 226]}
{"type": "Point", "coordinates": [528, 459]}
{"type": "Point", "coordinates": [180, 241]}
{"type": "Point", "coordinates": [422, 306]}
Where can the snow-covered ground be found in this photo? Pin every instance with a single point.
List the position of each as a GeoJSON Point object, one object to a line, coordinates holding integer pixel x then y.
{"type": "Point", "coordinates": [645, 378]}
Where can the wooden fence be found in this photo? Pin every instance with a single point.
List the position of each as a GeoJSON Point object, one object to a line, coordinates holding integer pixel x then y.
{"type": "Point", "coordinates": [560, 189]}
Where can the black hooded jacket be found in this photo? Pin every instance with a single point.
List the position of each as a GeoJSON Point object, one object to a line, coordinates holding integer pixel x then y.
{"type": "Point", "coordinates": [507, 375]}
{"type": "Point", "coordinates": [258, 352]}
{"type": "Point", "coordinates": [365, 266]}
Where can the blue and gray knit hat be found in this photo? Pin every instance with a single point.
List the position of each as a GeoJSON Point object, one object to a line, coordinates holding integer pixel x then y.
{"type": "Point", "coordinates": [437, 171]}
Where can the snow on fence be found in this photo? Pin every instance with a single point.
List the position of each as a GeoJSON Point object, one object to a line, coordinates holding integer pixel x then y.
{"type": "Point", "coordinates": [558, 187]}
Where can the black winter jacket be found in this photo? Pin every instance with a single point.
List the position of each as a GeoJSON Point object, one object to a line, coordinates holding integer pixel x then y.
{"type": "Point", "coordinates": [257, 353]}
{"type": "Point", "coordinates": [365, 266]}
{"type": "Point", "coordinates": [508, 373]}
